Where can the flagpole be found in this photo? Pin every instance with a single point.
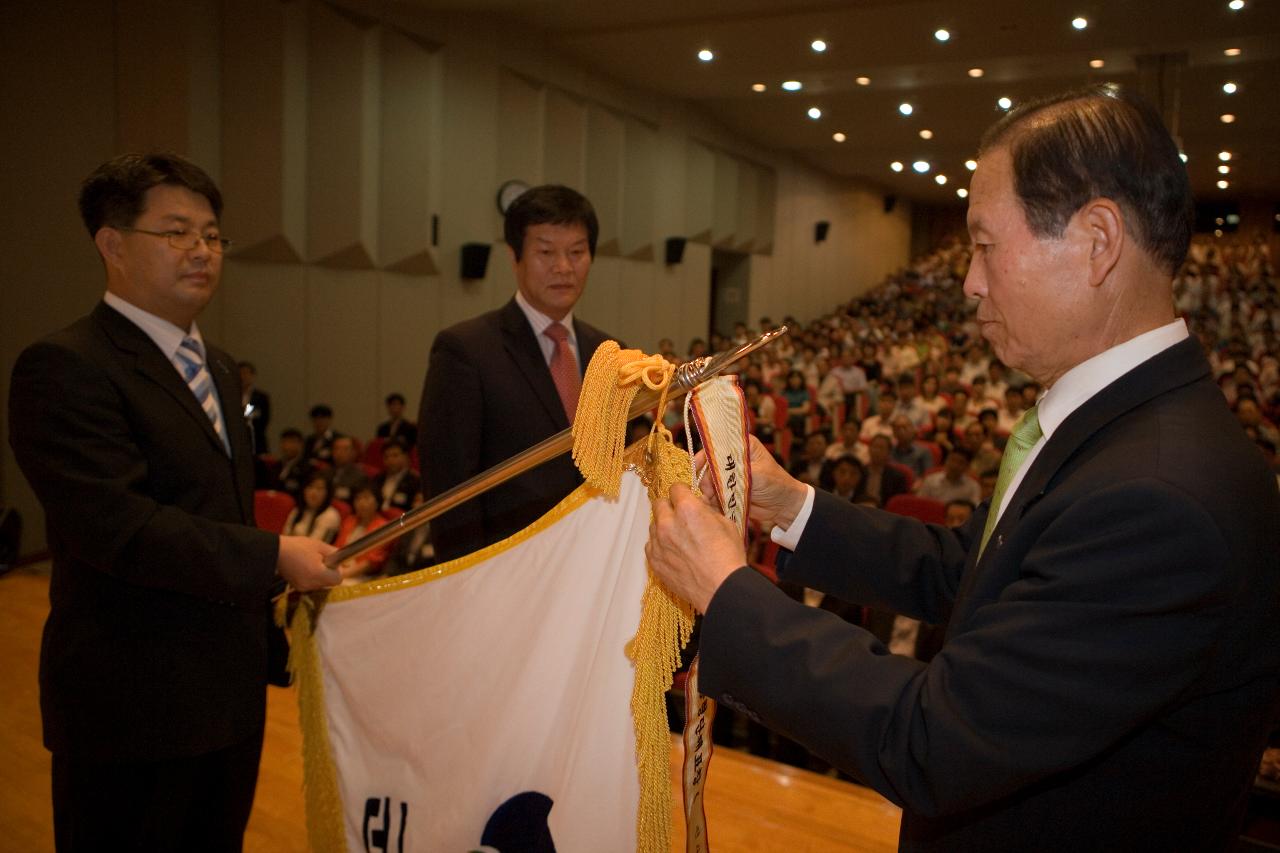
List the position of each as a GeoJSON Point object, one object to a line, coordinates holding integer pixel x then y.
{"type": "Point", "coordinates": [687, 377]}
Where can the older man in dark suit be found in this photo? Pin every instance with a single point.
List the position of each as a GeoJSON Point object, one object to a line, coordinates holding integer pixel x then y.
{"type": "Point", "coordinates": [501, 382]}
{"type": "Point", "coordinates": [1111, 668]}
{"type": "Point", "coordinates": [155, 659]}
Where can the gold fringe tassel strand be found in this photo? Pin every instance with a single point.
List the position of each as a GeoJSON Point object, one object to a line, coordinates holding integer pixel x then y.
{"type": "Point", "coordinates": [599, 435]}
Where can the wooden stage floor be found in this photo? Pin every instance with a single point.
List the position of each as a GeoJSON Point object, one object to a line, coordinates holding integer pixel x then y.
{"type": "Point", "coordinates": [753, 805]}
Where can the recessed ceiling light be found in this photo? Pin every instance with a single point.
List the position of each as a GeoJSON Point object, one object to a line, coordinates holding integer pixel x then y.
{"type": "Point", "coordinates": [791, 85]}
{"type": "Point", "coordinates": [926, 134]}
{"type": "Point", "coordinates": [862, 81]}
{"type": "Point", "coordinates": [895, 166]}
{"type": "Point", "coordinates": [814, 112]}
{"type": "Point", "coordinates": [838, 136]}
{"type": "Point", "coordinates": [1231, 51]}
{"type": "Point", "coordinates": [1222, 185]}
{"type": "Point", "coordinates": [706, 55]}
{"type": "Point", "coordinates": [758, 87]}
{"type": "Point", "coordinates": [1235, 5]}
{"type": "Point", "coordinates": [1226, 118]}
{"type": "Point", "coordinates": [976, 72]}
{"type": "Point", "coordinates": [941, 179]}
{"type": "Point", "coordinates": [1079, 22]}
{"type": "Point", "coordinates": [942, 35]}
{"type": "Point", "coordinates": [971, 164]}
{"type": "Point", "coordinates": [1004, 103]}
{"type": "Point", "coordinates": [818, 45]}
{"type": "Point", "coordinates": [1229, 87]}
{"type": "Point", "coordinates": [905, 108]}
{"type": "Point", "coordinates": [962, 192]}
{"type": "Point", "coordinates": [1224, 169]}
{"type": "Point", "coordinates": [921, 166]}
{"type": "Point", "coordinates": [1097, 63]}
{"type": "Point", "coordinates": [1224, 156]}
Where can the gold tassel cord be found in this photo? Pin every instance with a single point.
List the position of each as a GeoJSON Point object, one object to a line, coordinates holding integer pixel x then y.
{"type": "Point", "coordinates": [613, 378]}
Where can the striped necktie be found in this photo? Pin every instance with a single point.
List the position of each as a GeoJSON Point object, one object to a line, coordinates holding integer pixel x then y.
{"type": "Point", "coordinates": [564, 369]}
{"type": "Point", "coordinates": [1026, 432]}
{"type": "Point", "coordinates": [189, 359]}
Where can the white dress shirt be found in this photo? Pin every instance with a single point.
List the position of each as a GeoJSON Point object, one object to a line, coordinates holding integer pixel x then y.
{"type": "Point", "coordinates": [539, 322]}
{"type": "Point", "coordinates": [1075, 388]}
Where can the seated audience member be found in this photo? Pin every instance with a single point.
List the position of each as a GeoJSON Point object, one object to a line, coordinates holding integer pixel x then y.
{"type": "Point", "coordinates": [883, 480]}
{"type": "Point", "coordinates": [1250, 416]}
{"type": "Point", "coordinates": [396, 425]}
{"type": "Point", "coordinates": [990, 420]}
{"type": "Point", "coordinates": [807, 466]}
{"type": "Point", "coordinates": [397, 486]}
{"type": "Point", "coordinates": [953, 482]}
{"type": "Point", "coordinates": [697, 348]}
{"type": "Point", "coordinates": [960, 409]}
{"type": "Point", "coordinates": [950, 383]}
{"type": "Point", "coordinates": [942, 432]}
{"type": "Point", "coordinates": [849, 445]}
{"type": "Point", "coordinates": [799, 404]}
{"type": "Point", "coordinates": [1031, 393]}
{"type": "Point", "coordinates": [870, 364]}
{"type": "Point", "coordinates": [987, 482]}
{"type": "Point", "coordinates": [364, 519]}
{"type": "Point", "coordinates": [843, 477]}
{"type": "Point", "coordinates": [958, 513]}
{"type": "Point", "coordinates": [905, 450]}
{"type": "Point", "coordinates": [294, 467]}
{"type": "Point", "coordinates": [881, 423]}
{"type": "Point", "coordinates": [852, 379]}
{"type": "Point", "coordinates": [1011, 409]}
{"type": "Point", "coordinates": [255, 404]}
{"type": "Point", "coordinates": [319, 445]}
{"type": "Point", "coordinates": [762, 409]}
{"type": "Point", "coordinates": [929, 399]}
{"type": "Point", "coordinates": [830, 392]}
{"type": "Point", "coordinates": [909, 404]}
{"type": "Point", "coordinates": [975, 364]}
{"type": "Point", "coordinates": [347, 475]}
{"type": "Point", "coordinates": [997, 381]}
{"type": "Point", "coordinates": [981, 450]}
{"type": "Point", "coordinates": [313, 516]}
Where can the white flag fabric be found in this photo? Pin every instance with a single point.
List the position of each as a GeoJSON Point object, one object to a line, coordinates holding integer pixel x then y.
{"type": "Point", "coordinates": [449, 691]}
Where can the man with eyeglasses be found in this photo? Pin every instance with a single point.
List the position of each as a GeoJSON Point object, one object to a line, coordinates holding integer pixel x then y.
{"type": "Point", "coordinates": [159, 643]}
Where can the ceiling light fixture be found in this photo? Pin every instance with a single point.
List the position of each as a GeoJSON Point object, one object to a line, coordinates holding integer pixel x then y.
{"type": "Point", "coordinates": [1235, 5]}
{"type": "Point", "coordinates": [921, 166]}
{"type": "Point", "coordinates": [1224, 156]}
{"type": "Point", "coordinates": [791, 85]}
{"type": "Point", "coordinates": [905, 108]}
{"type": "Point", "coordinates": [815, 113]}
{"type": "Point", "coordinates": [895, 166]}
{"type": "Point", "coordinates": [971, 164]}
{"type": "Point", "coordinates": [838, 136]}
{"type": "Point", "coordinates": [926, 134]}
{"type": "Point", "coordinates": [1226, 118]}
{"type": "Point", "coordinates": [1097, 63]}
{"type": "Point", "coordinates": [962, 192]}
{"type": "Point", "coordinates": [1005, 103]}
{"type": "Point", "coordinates": [706, 55]}
{"type": "Point", "coordinates": [1224, 169]}
{"type": "Point", "coordinates": [976, 72]}
{"type": "Point", "coordinates": [818, 45]}
{"type": "Point", "coordinates": [758, 87]}
{"type": "Point", "coordinates": [942, 35]}
{"type": "Point", "coordinates": [862, 81]}
{"type": "Point", "coordinates": [1079, 23]}
{"type": "Point", "coordinates": [1229, 87]}
{"type": "Point", "coordinates": [1182, 155]}
{"type": "Point", "coordinates": [941, 179]}
{"type": "Point", "coordinates": [1222, 185]}
{"type": "Point", "coordinates": [1231, 51]}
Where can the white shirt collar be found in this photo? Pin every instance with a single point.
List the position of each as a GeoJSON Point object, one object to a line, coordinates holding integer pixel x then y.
{"type": "Point", "coordinates": [167, 336]}
{"type": "Point", "coordinates": [540, 321]}
{"type": "Point", "coordinates": [1086, 379]}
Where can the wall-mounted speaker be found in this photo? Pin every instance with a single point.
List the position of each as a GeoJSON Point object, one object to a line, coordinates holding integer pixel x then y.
{"type": "Point", "coordinates": [675, 250]}
{"type": "Point", "coordinates": [475, 259]}
{"type": "Point", "coordinates": [820, 231]}
{"type": "Point", "coordinates": [890, 202]}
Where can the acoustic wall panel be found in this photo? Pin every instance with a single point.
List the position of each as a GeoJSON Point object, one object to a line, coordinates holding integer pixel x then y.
{"type": "Point", "coordinates": [699, 188]}
{"type": "Point", "coordinates": [341, 357]}
{"type": "Point", "coordinates": [724, 222]}
{"type": "Point", "coordinates": [605, 139]}
{"type": "Point", "coordinates": [638, 187]}
{"type": "Point", "coordinates": [766, 202]}
{"type": "Point", "coordinates": [264, 107]}
{"type": "Point", "coordinates": [564, 142]}
{"type": "Point", "coordinates": [342, 132]}
{"type": "Point", "coordinates": [408, 154]}
{"type": "Point", "coordinates": [745, 229]}
{"type": "Point", "coordinates": [519, 123]}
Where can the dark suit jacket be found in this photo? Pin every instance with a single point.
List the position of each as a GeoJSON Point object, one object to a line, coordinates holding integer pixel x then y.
{"type": "Point", "coordinates": [407, 430]}
{"type": "Point", "coordinates": [1112, 664]}
{"type": "Point", "coordinates": [489, 395]}
{"type": "Point", "coordinates": [156, 642]}
{"type": "Point", "coordinates": [259, 419]}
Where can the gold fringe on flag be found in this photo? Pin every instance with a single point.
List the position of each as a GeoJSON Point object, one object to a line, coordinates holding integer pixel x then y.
{"type": "Point", "coordinates": [599, 434]}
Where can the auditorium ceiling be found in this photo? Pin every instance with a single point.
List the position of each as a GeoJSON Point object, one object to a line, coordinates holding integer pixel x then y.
{"type": "Point", "coordinates": [1177, 48]}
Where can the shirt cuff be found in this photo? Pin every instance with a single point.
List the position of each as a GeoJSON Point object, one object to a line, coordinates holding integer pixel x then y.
{"type": "Point", "coordinates": [790, 537]}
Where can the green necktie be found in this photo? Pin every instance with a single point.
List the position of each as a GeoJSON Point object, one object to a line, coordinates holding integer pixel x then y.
{"type": "Point", "coordinates": [1026, 432]}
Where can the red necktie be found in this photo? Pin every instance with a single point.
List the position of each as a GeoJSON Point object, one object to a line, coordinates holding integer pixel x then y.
{"type": "Point", "coordinates": [564, 369]}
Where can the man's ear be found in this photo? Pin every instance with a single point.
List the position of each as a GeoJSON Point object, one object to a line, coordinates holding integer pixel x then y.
{"type": "Point", "coordinates": [110, 243]}
{"type": "Point", "coordinates": [1105, 225]}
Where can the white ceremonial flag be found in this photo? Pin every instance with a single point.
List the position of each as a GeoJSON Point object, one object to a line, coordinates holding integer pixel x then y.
{"type": "Point", "coordinates": [449, 691]}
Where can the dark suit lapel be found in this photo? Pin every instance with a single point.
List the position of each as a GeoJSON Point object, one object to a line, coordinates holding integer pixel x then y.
{"type": "Point", "coordinates": [226, 377]}
{"type": "Point", "coordinates": [522, 346]}
{"type": "Point", "coordinates": [1179, 365]}
{"type": "Point", "coordinates": [589, 340]}
{"type": "Point", "coordinates": [151, 363]}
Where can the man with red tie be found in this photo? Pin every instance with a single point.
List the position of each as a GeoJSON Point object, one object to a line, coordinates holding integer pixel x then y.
{"type": "Point", "coordinates": [501, 382]}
